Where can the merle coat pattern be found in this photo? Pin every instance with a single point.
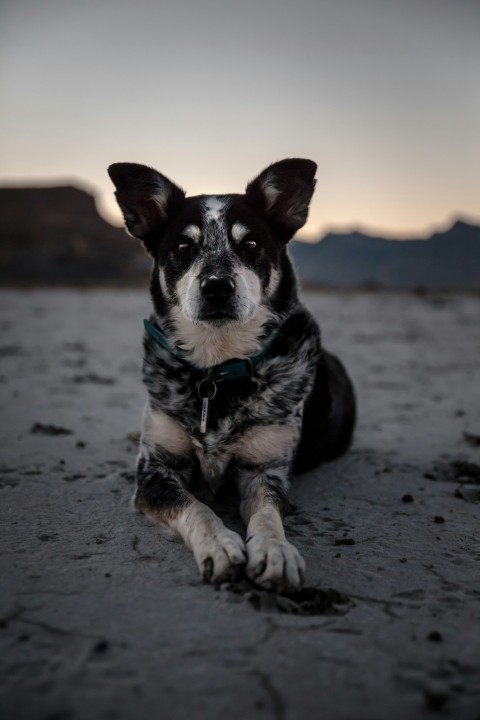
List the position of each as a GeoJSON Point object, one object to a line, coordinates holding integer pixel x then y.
{"type": "Point", "coordinates": [222, 287]}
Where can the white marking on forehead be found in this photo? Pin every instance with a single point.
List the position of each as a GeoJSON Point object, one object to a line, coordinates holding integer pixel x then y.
{"type": "Point", "coordinates": [193, 232]}
{"type": "Point", "coordinates": [239, 231]}
{"type": "Point", "coordinates": [214, 208]}
{"type": "Point", "coordinates": [215, 233]}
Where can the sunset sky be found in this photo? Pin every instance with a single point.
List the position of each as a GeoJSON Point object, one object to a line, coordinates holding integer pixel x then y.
{"type": "Point", "coordinates": [383, 94]}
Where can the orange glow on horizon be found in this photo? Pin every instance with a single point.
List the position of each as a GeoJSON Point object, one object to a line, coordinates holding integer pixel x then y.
{"type": "Point", "coordinates": [322, 219]}
{"type": "Point", "coordinates": [318, 226]}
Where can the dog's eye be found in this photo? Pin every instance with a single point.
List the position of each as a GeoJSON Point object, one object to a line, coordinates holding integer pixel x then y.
{"type": "Point", "coordinates": [183, 248]}
{"type": "Point", "coordinates": [249, 245]}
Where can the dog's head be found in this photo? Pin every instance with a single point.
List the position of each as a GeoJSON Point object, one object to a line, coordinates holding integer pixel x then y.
{"type": "Point", "coordinates": [217, 257]}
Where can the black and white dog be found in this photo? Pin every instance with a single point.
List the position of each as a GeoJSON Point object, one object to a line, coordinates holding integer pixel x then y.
{"type": "Point", "coordinates": [239, 387]}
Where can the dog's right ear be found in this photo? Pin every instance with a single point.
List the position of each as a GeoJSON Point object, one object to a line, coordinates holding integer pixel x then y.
{"type": "Point", "coordinates": [146, 198]}
{"type": "Point", "coordinates": [283, 192]}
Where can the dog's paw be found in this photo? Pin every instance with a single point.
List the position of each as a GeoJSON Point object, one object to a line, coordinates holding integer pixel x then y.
{"type": "Point", "coordinates": [220, 556]}
{"type": "Point", "coordinates": [274, 564]}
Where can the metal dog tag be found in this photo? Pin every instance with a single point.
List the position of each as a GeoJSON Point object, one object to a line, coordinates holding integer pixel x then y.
{"type": "Point", "coordinates": [207, 390]}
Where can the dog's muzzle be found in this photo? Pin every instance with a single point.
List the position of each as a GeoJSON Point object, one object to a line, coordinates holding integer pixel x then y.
{"type": "Point", "coordinates": [218, 298]}
{"type": "Point", "coordinates": [217, 290]}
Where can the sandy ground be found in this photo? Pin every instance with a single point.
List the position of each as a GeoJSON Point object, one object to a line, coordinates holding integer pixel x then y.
{"type": "Point", "coordinates": [102, 617]}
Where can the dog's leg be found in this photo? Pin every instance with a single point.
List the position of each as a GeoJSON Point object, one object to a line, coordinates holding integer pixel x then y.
{"type": "Point", "coordinates": [273, 562]}
{"type": "Point", "coordinates": [161, 495]}
{"type": "Point", "coordinates": [264, 456]}
{"type": "Point", "coordinates": [164, 470]}
{"type": "Point", "coordinates": [218, 551]}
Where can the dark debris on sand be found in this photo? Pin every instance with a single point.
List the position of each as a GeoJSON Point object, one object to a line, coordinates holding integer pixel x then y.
{"type": "Point", "coordinates": [307, 601]}
{"type": "Point", "coordinates": [471, 439]}
{"type": "Point", "coordinates": [459, 471]}
{"type": "Point", "coordinates": [47, 429]}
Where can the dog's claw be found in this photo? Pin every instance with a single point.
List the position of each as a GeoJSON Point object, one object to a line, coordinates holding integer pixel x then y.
{"type": "Point", "coordinates": [274, 564]}
{"type": "Point", "coordinates": [259, 569]}
{"type": "Point", "coordinates": [207, 570]}
{"type": "Point", "coordinates": [221, 557]}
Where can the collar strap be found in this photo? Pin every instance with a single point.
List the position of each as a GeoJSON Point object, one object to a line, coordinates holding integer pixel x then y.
{"type": "Point", "coordinates": [229, 370]}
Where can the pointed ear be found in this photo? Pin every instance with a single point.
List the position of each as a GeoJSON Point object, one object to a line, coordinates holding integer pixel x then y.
{"type": "Point", "coordinates": [283, 192]}
{"type": "Point", "coordinates": [146, 198]}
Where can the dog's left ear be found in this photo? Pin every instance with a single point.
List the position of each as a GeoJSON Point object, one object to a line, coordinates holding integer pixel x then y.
{"type": "Point", "coordinates": [146, 198]}
{"type": "Point", "coordinates": [283, 192]}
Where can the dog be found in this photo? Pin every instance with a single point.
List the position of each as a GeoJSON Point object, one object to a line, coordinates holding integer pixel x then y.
{"type": "Point", "coordinates": [240, 390]}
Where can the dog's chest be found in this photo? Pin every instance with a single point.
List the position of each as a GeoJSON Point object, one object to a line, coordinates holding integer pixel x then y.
{"type": "Point", "coordinates": [273, 397]}
{"type": "Point", "coordinates": [212, 442]}
{"type": "Point", "coordinates": [213, 453]}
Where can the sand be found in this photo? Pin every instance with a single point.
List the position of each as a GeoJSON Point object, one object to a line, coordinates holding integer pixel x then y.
{"type": "Point", "coordinates": [103, 617]}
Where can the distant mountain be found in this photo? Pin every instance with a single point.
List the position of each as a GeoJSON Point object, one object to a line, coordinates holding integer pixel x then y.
{"type": "Point", "coordinates": [446, 261]}
{"type": "Point", "coordinates": [55, 236]}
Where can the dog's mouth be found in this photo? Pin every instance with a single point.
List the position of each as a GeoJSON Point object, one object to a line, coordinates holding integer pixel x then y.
{"type": "Point", "coordinates": [218, 315]}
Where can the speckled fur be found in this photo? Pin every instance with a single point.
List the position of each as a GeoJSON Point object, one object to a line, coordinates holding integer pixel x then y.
{"type": "Point", "coordinates": [297, 410]}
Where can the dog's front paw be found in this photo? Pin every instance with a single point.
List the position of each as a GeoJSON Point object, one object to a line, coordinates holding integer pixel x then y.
{"type": "Point", "coordinates": [274, 564]}
{"type": "Point", "coordinates": [220, 556]}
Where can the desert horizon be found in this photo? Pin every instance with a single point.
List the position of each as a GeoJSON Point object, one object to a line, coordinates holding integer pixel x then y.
{"type": "Point", "coordinates": [114, 218]}
{"type": "Point", "coordinates": [69, 242]}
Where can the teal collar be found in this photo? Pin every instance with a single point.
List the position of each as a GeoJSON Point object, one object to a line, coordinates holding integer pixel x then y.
{"type": "Point", "coordinates": [229, 370]}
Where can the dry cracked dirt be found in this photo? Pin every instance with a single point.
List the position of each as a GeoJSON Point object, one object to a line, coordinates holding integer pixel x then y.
{"type": "Point", "coordinates": [103, 617]}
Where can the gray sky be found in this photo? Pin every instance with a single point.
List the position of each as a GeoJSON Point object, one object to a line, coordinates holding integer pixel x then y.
{"type": "Point", "coordinates": [383, 94]}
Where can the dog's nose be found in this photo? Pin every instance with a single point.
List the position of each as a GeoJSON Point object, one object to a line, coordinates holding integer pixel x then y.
{"type": "Point", "coordinates": [217, 288]}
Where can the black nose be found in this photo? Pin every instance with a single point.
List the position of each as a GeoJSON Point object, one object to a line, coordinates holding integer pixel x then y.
{"type": "Point", "coordinates": [217, 288]}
